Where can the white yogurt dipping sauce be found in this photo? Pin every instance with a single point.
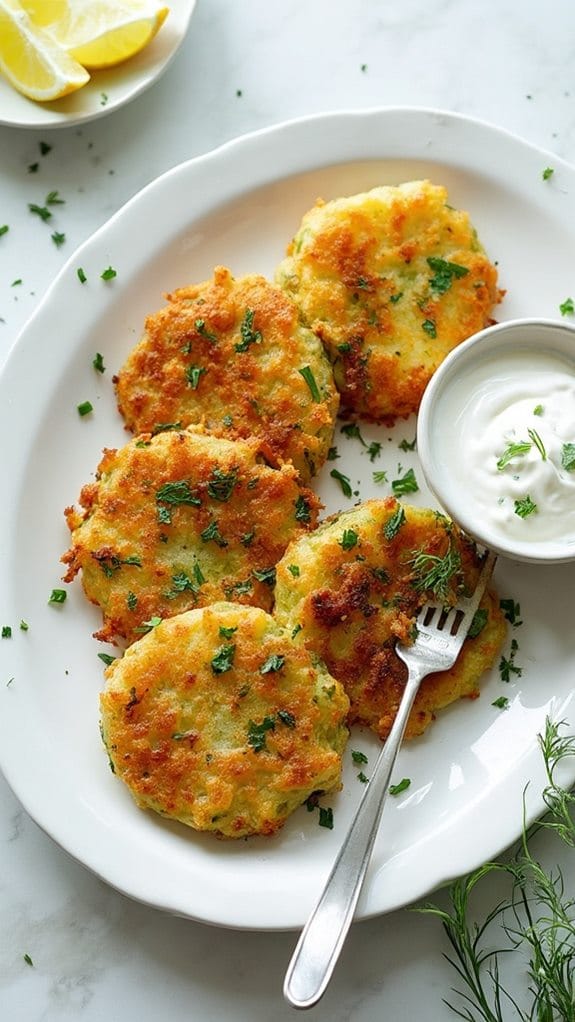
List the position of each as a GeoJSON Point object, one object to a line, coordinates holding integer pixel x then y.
{"type": "Point", "coordinates": [510, 444]}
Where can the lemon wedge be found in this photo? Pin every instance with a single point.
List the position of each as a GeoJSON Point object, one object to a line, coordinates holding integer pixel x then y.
{"type": "Point", "coordinates": [30, 59]}
{"type": "Point", "coordinates": [100, 33]}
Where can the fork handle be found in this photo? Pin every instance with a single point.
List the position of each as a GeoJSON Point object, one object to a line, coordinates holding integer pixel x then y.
{"type": "Point", "coordinates": [322, 938]}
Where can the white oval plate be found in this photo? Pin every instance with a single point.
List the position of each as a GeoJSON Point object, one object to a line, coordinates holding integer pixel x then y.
{"type": "Point", "coordinates": [239, 206]}
{"type": "Point", "coordinates": [108, 89]}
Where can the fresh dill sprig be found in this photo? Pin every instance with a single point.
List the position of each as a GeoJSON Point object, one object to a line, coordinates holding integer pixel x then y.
{"type": "Point", "coordinates": [433, 573]}
{"type": "Point", "coordinates": [536, 918]}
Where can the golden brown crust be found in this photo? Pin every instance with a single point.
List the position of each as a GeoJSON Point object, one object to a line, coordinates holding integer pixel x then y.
{"type": "Point", "coordinates": [203, 730]}
{"type": "Point", "coordinates": [180, 520]}
{"type": "Point", "coordinates": [355, 597]}
{"type": "Point", "coordinates": [359, 270]}
{"type": "Point", "coordinates": [187, 368]}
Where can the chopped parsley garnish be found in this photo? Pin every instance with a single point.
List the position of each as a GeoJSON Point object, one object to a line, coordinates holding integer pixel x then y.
{"type": "Point", "coordinates": [568, 457]}
{"type": "Point", "coordinates": [429, 326]}
{"type": "Point", "coordinates": [223, 659]}
{"type": "Point", "coordinates": [53, 199]}
{"type": "Point", "coordinates": [58, 596]}
{"type": "Point", "coordinates": [511, 612]}
{"type": "Point", "coordinates": [547, 173]}
{"type": "Point", "coordinates": [294, 570]}
{"type": "Point", "coordinates": [221, 484]}
{"type": "Point", "coordinates": [286, 718]}
{"type": "Point", "coordinates": [326, 817]}
{"type": "Point", "coordinates": [351, 429]}
{"type": "Point", "coordinates": [502, 703]}
{"type": "Point", "coordinates": [349, 539]}
{"type": "Point", "coordinates": [4, 228]}
{"type": "Point", "coordinates": [247, 538]}
{"type": "Point", "coordinates": [567, 308]}
{"type": "Point", "coordinates": [27, 958]}
{"type": "Point", "coordinates": [393, 524]}
{"type": "Point", "coordinates": [296, 630]}
{"type": "Point", "coordinates": [164, 515]}
{"type": "Point", "coordinates": [58, 238]}
{"type": "Point", "coordinates": [374, 450]}
{"type": "Point", "coordinates": [343, 481]}
{"type": "Point", "coordinates": [538, 410]}
{"type": "Point", "coordinates": [239, 588]}
{"type": "Point", "coordinates": [147, 626]}
{"type": "Point", "coordinates": [226, 633]}
{"type": "Point", "coordinates": [109, 273]}
{"type": "Point", "coordinates": [203, 331]}
{"type": "Point", "coordinates": [405, 484]}
{"type": "Point", "coordinates": [379, 477]}
{"type": "Point", "coordinates": [507, 665]}
{"type": "Point", "coordinates": [302, 509]}
{"type": "Point", "coordinates": [177, 493]}
{"type": "Point", "coordinates": [273, 663]}
{"type": "Point", "coordinates": [33, 168]}
{"type": "Point", "coordinates": [24, 626]}
{"type": "Point", "coordinates": [15, 283]}
{"type": "Point", "coordinates": [408, 445]}
{"type": "Point", "coordinates": [81, 275]}
{"type": "Point", "coordinates": [444, 273]}
{"type": "Point", "coordinates": [181, 583]}
{"type": "Point", "coordinates": [248, 334]}
{"type": "Point", "coordinates": [525, 506]}
{"type": "Point", "coordinates": [344, 348]}
{"type": "Point", "coordinates": [362, 777]}
{"type": "Point", "coordinates": [359, 758]}
{"type": "Point", "coordinates": [396, 789]}
{"type": "Point", "coordinates": [106, 658]}
{"type": "Point", "coordinates": [332, 454]}
{"type": "Point", "coordinates": [212, 532]}
{"type": "Point", "coordinates": [98, 363]}
{"type": "Point", "coordinates": [131, 600]}
{"type": "Point", "coordinates": [513, 450]}
{"type": "Point", "coordinates": [6, 632]}
{"type": "Point", "coordinates": [265, 575]}
{"type": "Point", "coordinates": [111, 563]}
{"type": "Point", "coordinates": [194, 374]}
{"type": "Point", "coordinates": [103, 100]}
{"type": "Point", "coordinates": [478, 623]}
{"type": "Point", "coordinates": [44, 148]}
{"type": "Point", "coordinates": [396, 297]}
{"type": "Point", "coordinates": [42, 211]}
{"type": "Point", "coordinates": [166, 427]}
{"type": "Point", "coordinates": [311, 382]}
{"type": "Point", "coordinates": [433, 573]}
{"type": "Point", "coordinates": [257, 733]}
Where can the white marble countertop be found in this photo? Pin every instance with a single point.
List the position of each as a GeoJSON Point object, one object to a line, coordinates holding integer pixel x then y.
{"type": "Point", "coordinates": [97, 955]}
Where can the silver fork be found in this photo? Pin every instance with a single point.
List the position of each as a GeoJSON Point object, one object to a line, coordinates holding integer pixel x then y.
{"type": "Point", "coordinates": [439, 640]}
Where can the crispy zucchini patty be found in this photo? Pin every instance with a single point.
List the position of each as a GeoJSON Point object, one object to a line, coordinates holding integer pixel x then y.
{"type": "Point", "coordinates": [352, 588]}
{"type": "Point", "coordinates": [180, 520]}
{"type": "Point", "coordinates": [390, 280]}
{"type": "Point", "coordinates": [216, 719]}
{"type": "Point", "coordinates": [233, 356]}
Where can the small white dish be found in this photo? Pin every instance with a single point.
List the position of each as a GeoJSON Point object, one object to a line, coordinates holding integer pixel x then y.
{"type": "Point", "coordinates": [496, 439]}
{"type": "Point", "coordinates": [107, 90]}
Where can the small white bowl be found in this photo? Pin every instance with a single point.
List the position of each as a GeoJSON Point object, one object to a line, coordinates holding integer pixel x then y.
{"type": "Point", "coordinates": [505, 366]}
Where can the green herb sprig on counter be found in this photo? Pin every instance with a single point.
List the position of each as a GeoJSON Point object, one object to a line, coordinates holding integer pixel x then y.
{"type": "Point", "coordinates": [536, 917]}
